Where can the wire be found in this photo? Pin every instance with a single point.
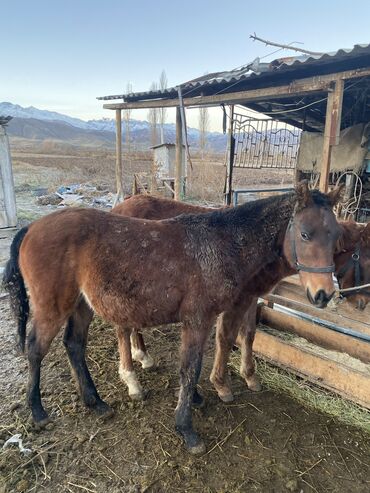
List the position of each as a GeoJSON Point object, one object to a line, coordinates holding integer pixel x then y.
{"type": "Point", "coordinates": [352, 204]}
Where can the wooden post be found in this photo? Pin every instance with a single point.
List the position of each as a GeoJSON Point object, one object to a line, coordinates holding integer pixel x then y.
{"type": "Point", "coordinates": [179, 156]}
{"type": "Point", "coordinates": [230, 159]}
{"type": "Point", "coordinates": [332, 130]}
{"type": "Point", "coordinates": [119, 177]}
{"type": "Point", "coordinates": [8, 213]}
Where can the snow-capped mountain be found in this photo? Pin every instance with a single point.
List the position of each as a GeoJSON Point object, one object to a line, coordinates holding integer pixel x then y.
{"type": "Point", "coordinates": [17, 111]}
{"type": "Point", "coordinates": [33, 123]}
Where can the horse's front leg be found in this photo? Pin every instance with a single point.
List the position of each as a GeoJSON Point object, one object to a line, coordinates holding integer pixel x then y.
{"type": "Point", "coordinates": [126, 367]}
{"type": "Point", "coordinates": [227, 327]}
{"type": "Point", "coordinates": [245, 341]}
{"type": "Point", "coordinates": [193, 340]}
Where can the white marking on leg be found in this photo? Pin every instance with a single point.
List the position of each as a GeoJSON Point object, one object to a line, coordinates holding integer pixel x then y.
{"type": "Point", "coordinates": [130, 379]}
{"type": "Point", "coordinates": [139, 355]}
{"type": "Point", "coordinates": [147, 361]}
{"type": "Point", "coordinates": [144, 358]}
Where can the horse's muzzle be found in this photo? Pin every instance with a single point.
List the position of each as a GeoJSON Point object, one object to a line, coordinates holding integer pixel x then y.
{"type": "Point", "coordinates": [321, 299]}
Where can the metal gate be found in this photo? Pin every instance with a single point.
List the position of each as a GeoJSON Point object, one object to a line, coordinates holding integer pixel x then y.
{"type": "Point", "coordinates": [264, 143]}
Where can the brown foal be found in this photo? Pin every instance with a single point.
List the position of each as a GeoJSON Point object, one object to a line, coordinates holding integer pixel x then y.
{"type": "Point", "coordinates": [239, 325]}
{"type": "Point", "coordinates": [137, 273]}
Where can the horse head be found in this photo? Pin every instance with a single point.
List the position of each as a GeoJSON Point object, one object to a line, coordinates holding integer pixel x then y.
{"type": "Point", "coordinates": [310, 242]}
{"type": "Point", "coordinates": [353, 263]}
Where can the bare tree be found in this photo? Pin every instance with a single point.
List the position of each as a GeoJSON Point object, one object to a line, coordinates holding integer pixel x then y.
{"type": "Point", "coordinates": [153, 119]}
{"type": "Point", "coordinates": [126, 116]}
{"type": "Point", "coordinates": [162, 111]}
{"type": "Point", "coordinates": [203, 129]}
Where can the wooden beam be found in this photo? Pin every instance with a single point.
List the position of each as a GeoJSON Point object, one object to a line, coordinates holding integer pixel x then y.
{"type": "Point", "coordinates": [344, 313]}
{"type": "Point", "coordinates": [7, 182]}
{"type": "Point", "coordinates": [332, 130]}
{"type": "Point", "coordinates": [119, 177]}
{"type": "Point", "coordinates": [326, 372]}
{"type": "Point", "coordinates": [230, 158]}
{"type": "Point", "coordinates": [298, 87]}
{"type": "Point", "coordinates": [319, 335]}
{"type": "Point", "coordinates": [179, 156]}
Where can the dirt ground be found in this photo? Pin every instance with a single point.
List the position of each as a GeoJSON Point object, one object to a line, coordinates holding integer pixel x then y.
{"type": "Point", "coordinates": [262, 442]}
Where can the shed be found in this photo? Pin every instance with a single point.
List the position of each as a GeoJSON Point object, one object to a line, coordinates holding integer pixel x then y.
{"type": "Point", "coordinates": [164, 158]}
{"type": "Point", "coordinates": [316, 97]}
{"type": "Point", "coordinates": [164, 168]}
{"type": "Point", "coordinates": [8, 211]}
{"type": "Point", "coordinates": [321, 93]}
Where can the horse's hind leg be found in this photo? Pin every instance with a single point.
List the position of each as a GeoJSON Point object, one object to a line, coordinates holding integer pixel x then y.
{"type": "Point", "coordinates": [226, 332]}
{"type": "Point", "coordinates": [138, 350]}
{"type": "Point", "coordinates": [192, 348]}
{"type": "Point", "coordinates": [75, 340]}
{"type": "Point", "coordinates": [126, 367]}
{"type": "Point", "coordinates": [39, 340]}
{"type": "Point", "coordinates": [245, 341]}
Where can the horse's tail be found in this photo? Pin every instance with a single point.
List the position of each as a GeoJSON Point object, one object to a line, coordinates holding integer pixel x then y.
{"type": "Point", "coordinates": [13, 283]}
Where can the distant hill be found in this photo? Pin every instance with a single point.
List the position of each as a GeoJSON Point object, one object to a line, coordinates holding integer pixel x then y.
{"type": "Point", "coordinates": [32, 123]}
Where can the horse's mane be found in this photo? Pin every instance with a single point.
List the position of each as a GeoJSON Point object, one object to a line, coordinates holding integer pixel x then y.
{"type": "Point", "coordinates": [351, 232]}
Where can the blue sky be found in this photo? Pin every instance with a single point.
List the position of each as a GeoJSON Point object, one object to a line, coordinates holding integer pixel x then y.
{"type": "Point", "coordinates": [60, 55]}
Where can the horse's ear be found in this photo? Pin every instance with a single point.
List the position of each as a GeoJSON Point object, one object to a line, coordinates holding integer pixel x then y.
{"type": "Point", "coordinates": [367, 229]}
{"type": "Point", "coordinates": [303, 194]}
{"type": "Point", "coordinates": [336, 194]}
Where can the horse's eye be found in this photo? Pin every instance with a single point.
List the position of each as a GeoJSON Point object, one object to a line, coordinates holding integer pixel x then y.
{"type": "Point", "coordinates": [305, 236]}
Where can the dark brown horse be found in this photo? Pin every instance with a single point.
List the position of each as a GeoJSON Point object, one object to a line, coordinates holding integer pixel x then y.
{"type": "Point", "coordinates": [136, 273]}
{"type": "Point", "coordinates": [352, 256]}
{"type": "Point", "coordinates": [352, 262]}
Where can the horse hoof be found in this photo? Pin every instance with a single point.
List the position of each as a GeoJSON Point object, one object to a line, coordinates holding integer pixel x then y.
{"type": "Point", "coordinates": [197, 449]}
{"type": "Point", "coordinates": [198, 401]}
{"type": "Point", "coordinates": [103, 410]}
{"type": "Point", "coordinates": [41, 423]}
{"type": "Point", "coordinates": [138, 396]}
{"type": "Point", "coordinates": [226, 397]}
{"type": "Point", "coordinates": [254, 384]}
{"type": "Point", "coordinates": [255, 387]}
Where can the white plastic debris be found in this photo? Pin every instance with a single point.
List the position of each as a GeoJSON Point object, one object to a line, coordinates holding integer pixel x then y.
{"type": "Point", "coordinates": [17, 439]}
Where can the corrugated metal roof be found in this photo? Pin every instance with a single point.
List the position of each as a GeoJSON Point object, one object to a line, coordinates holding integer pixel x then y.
{"type": "Point", "coordinates": [253, 70]}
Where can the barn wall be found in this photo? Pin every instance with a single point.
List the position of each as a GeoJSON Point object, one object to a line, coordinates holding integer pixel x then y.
{"type": "Point", "coordinates": [349, 154]}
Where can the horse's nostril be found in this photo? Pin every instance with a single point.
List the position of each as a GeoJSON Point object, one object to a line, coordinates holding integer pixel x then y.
{"type": "Point", "coordinates": [320, 296]}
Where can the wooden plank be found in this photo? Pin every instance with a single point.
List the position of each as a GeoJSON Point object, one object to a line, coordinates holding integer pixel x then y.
{"type": "Point", "coordinates": [336, 112]}
{"type": "Point", "coordinates": [324, 314]}
{"type": "Point", "coordinates": [342, 379]}
{"type": "Point", "coordinates": [331, 132]}
{"type": "Point", "coordinates": [319, 335]}
{"type": "Point", "coordinates": [9, 216]}
{"type": "Point", "coordinates": [179, 160]}
{"type": "Point", "coordinates": [119, 177]}
{"type": "Point", "coordinates": [343, 313]}
{"type": "Point", "coordinates": [298, 87]}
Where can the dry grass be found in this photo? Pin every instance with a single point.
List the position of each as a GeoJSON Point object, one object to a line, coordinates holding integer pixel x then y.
{"type": "Point", "coordinates": [308, 394]}
{"type": "Point", "coordinates": [51, 163]}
